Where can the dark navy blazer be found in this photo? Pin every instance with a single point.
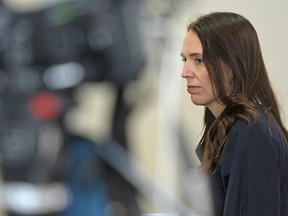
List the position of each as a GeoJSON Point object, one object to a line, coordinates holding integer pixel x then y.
{"type": "Point", "coordinates": [251, 177]}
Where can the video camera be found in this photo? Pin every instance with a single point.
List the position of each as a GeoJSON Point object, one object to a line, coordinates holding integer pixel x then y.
{"type": "Point", "coordinates": [44, 56]}
{"type": "Point", "coordinates": [59, 48]}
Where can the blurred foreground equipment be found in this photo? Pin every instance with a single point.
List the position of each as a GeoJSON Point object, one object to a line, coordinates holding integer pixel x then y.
{"type": "Point", "coordinates": [44, 56]}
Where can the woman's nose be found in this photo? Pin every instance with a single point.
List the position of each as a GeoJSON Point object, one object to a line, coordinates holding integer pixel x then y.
{"type": "Point", "coordinates": [183, 73]}
{"type": "Point", "coordinates": [187, 72]}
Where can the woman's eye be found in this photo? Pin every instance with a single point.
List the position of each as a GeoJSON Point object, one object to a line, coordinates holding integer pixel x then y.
{"type": "Point", "coordinates": [183, 60]}
{"type": "Point", "coordinates": [199, 61]}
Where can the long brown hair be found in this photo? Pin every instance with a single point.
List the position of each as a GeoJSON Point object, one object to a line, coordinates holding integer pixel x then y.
{"type": "Point", "coordinates": [231, 39]}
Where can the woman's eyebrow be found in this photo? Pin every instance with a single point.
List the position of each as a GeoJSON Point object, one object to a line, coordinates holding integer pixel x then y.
{"type": "Point", "coordinates": [191, 54]}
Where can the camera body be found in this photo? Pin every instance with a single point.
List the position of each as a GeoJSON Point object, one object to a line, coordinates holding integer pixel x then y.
{"type": "Point", "coordinates": [44, 56]}
{"type": "Point", "coordinates": [55, 50]}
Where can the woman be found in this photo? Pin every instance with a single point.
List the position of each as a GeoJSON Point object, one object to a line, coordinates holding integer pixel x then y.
{"type": "Point", "coordinates": [244, 145]}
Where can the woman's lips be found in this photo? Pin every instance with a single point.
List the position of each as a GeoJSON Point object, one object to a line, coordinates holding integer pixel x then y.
{"type": "Point", "coordinates": [192, 89]}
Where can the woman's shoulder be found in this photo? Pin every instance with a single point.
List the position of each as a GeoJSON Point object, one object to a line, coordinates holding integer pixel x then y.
{"type": "Point", "coordinates": [263, 126]}
{"type": "Point", "coordinates": [261, 133]}
{"type": "Point", "coordinates": [260, 141]}
{"type": "Point", "coordinates": [244, 128]}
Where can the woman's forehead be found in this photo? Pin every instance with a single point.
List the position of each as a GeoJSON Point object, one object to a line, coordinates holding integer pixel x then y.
{"type": "Point", "coordinates": [192, 44]}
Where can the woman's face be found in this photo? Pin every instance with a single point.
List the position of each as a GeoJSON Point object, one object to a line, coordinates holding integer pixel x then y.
{"type": "Point", "coordinates": [194, 71]}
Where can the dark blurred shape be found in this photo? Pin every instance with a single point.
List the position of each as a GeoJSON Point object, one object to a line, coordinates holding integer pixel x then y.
{"type": "Point", "coordinates": [44, 56]}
